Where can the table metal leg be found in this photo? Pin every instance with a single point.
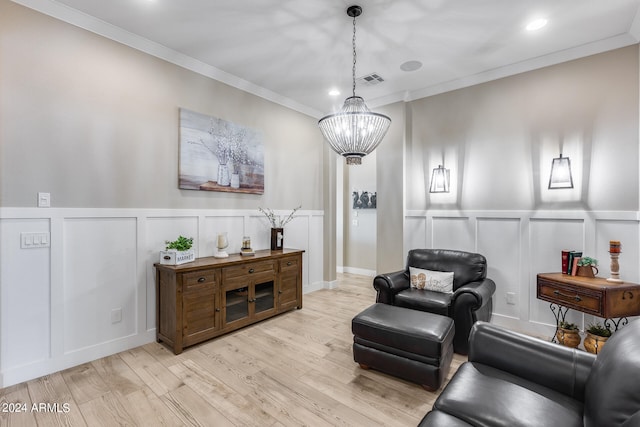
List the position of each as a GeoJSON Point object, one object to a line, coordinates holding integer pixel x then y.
{"type": "Point", "coordinates": [560, 313]}
{"type": "Point", "coordinates": [616, 323]}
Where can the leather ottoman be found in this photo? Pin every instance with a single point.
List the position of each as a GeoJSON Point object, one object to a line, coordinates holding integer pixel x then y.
{"type": "Point", "coordinates": [410, 344]}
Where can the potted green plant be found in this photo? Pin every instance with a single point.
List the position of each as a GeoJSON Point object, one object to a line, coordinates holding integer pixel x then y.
{"type": "Point", "coordinates": [586, 266]}
{"type": "Point", "coordinates": [568, 334]}
{"type": "Point", "coordinates": [597, 336]}
{"type": "Point", "coordinates": [178, 251]}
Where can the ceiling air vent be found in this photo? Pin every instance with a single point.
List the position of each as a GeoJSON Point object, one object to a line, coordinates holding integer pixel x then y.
{"type": "Point", "coordinates": [370, 79]}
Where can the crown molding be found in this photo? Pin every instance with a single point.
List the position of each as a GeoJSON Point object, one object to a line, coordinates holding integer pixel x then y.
{"type": "Point", "coordinates": [102, 28]}
{"type": "Point", "coordinates": [97, 26]}
{"type": "Point", "coordinates": [634, 30]}
{"type": "Point", "coordinates": [555, 58]}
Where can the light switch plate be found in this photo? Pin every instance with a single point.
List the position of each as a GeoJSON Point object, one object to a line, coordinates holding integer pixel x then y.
{"type": "Point", "coordinates": [44, 200]}
{"type": "Point", "coordinates": [34, 240]}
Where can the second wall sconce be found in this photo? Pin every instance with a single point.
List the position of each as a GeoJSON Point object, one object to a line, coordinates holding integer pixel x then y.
{"type": "Point", "coordinates": [560, 173]}
{"type": "Point", "coordinates": [439, 180]}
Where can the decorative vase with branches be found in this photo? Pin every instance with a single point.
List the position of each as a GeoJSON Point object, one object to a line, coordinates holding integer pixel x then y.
{"type": "Point", "coordinates": [277, 223]}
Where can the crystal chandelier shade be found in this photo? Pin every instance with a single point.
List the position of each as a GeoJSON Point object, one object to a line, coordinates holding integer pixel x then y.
{"type": "Point", "coordinates": [354, 131]}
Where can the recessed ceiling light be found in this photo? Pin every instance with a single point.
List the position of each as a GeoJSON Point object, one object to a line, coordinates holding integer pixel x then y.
{"type": "Point", "coordinates": [411, 66]}
{"type": "Point", "coordinates": [536, 24]}
{"type": "Point", "coordinates": [334, 92]}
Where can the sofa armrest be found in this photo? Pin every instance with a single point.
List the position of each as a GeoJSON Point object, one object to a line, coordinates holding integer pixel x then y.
{"type": "Point", "coordinates": [552, 365]}
{"type": "Point", "coordinates": [389, 284]}
{"type": "Point", "coordinates": [470, 303]}
{"type": "Point", "coordinates": [476, 294]}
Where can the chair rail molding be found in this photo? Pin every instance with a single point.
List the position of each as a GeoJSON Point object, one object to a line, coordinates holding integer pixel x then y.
{"type": "Point", "coordinates": [90, 291]}
{"type": "Point", "coordinates": [520, 244]}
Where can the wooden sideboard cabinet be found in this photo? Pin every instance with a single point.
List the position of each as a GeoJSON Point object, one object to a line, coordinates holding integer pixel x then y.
{"type": "Point", "coordinates": [211, 296]}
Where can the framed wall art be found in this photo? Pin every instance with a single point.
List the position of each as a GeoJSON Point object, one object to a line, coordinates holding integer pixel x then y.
{"type": "Point", "coordinates": [218, 155]}
{"type": "Point", "coordinates": [364, 199]}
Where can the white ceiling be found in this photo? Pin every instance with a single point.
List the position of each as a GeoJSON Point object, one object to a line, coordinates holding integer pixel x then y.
{"type": "Point", "coordinates": [294, 51]}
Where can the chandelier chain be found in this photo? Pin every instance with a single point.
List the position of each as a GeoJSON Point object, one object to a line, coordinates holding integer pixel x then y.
{"type": "Point", "coordinates": [354, 56]}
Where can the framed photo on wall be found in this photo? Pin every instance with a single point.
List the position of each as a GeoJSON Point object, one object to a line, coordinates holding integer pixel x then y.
{"type": "Point", "coordinates": [218, 155]}
{"type": "Point", "coordinates": [364, 199]}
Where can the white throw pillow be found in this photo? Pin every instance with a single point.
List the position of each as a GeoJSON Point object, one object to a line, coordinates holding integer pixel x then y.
{"type": "Point", "coordinates": [437, 281]}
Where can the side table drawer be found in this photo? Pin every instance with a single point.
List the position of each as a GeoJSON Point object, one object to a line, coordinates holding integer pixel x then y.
{"type": "Point", "coordinates": [572, 297]}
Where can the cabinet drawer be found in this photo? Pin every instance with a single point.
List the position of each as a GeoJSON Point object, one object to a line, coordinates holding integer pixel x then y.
{"type": "Point", "coordinates": [247, 279]}
{"type": "Point", "coordinates": [198, 280]}
{"type": "Point", "coordinates": [287, 264]}
{"type": "Point", "coordinates": [248, 269]}
{"type": "Point", "coordinates": [568, 296]}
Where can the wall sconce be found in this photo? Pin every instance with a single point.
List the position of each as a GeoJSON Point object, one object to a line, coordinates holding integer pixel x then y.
{"type": "Point", "coordinates": [560, 173]}
{"type": "Point", "coordinates": [439, 180]}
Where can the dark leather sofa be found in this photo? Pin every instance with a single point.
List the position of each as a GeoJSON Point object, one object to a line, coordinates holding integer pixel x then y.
{"type": "Point", "coordinates": [515, 380]}
{"type": "Point", "coordinates": [470, 301]}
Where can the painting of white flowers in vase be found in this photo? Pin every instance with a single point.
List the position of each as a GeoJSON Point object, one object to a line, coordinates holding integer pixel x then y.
{"type": "Point", "coordinates": [218, 155]}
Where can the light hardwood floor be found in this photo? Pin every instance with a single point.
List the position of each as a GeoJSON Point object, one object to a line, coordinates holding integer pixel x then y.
{"type": "Point", "coordinates": [292, 370]}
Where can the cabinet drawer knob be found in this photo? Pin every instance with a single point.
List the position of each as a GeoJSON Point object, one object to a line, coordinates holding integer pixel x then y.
{"type": "Point", "coordinates": [289, 263]}
{"type": "Point", "coordinates": [217, 310]}
{"type": "Point", "coordinates": [279, 292]}
{"type": "Point", "coordinates": [201, 279]}
{"type": "Point", "coordinates": [251, 270]}
{"type": "Point", "coordinates": [558, 293]}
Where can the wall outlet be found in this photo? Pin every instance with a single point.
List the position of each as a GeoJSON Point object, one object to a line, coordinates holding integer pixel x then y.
{"type": "Point", "coordinates": [116, 315]}
{"type": "Point", "coordinates": [511, 298]}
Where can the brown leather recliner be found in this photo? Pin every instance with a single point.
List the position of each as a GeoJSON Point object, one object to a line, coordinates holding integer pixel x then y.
{"type": "Point", "coordinates": [470, 301]}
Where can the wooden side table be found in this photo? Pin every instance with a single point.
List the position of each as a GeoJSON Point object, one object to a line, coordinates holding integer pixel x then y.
{"type": "Point", "coordinates": [589, 295]}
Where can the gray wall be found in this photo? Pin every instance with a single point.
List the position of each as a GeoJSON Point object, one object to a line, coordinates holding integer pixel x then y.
{"type": "Point", "coordinates": [95, 123]}
{"type": "Point", "coordinates": [360, 250]}
{"type": "Point", "coordinates": [499, 138]}
{"type": "Point", "coordinates": [391, 192]}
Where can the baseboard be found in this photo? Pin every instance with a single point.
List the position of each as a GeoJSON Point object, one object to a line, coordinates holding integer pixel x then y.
{"type": "Point", "coordinates": [314, 287]}
{"type": "Point", "coordinates": [49, 366]}
{"type": "Point", "coordinates": [358, 271]}
{"type": "Point", "coordinates": [524, 326]}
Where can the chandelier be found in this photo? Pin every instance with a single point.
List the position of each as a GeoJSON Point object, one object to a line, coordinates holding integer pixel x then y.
{"type": "Point", "coordinates": [355, 131]}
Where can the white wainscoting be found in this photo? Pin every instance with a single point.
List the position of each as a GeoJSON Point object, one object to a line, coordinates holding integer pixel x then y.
{"type": "Point", "coordinates": [57, 302]}
{"type": "Point", "coordinates": [520, 244]}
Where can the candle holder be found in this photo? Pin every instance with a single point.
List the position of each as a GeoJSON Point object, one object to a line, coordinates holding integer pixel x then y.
{"type": "Point", "coordinates": [246, 246]}
{"type": "Point", "coordinates": [221, 244]}
{"type": "Point", "coordinates": [614, 252]}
